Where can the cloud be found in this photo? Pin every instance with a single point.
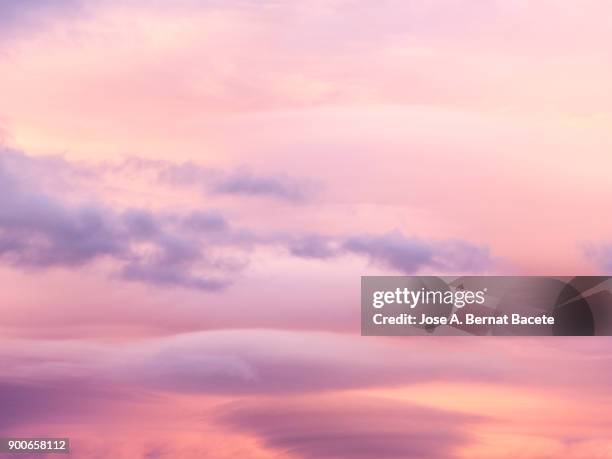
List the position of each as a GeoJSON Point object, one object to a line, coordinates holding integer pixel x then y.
{"type": "Point", "coordinates": [205, 221]}
{"type": "Point", "coordinates": [183, 174]}
{"type": "Point", "coordinates": [197, 248]}
{"type": "Point", "coordinates": [246, 183]}
{"type": "Point", "coordinates": [170, 264]}
{"type": "Point", "coordinates": [273, 362]}
{"type": "Point", "coordinates": [410, 254]}
{"type": "Point", "coordinates": [13, 10]}
{"type": "Point", "coordinates": [246, 362]}
{"type": "Point", "coordinates": [40, 230]}
{"type": "Point", "coordinates": [393, 250]}
{"type": "Point", "coordinates": [33, 15]}
{"type": "Point", "coordinates": [600, 255]}
{"type": "Point", "coordinates": [241, 182]}
{"type": "Point", "coordinates": [70, 400]}
{"type": "Point", "coordinates": [310, 394]}
{"type": "Point", "coordinates": [37, 230]}
{"type": "Point", "coordinates": [351, 427]}
{"type": "Point", "coordinates": [328, 376]}
{"type": "Point", "coordinates": [313, 246]}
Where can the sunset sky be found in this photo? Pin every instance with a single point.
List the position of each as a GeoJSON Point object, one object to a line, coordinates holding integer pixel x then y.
{"type": "Point", "coordinates": [191, 190]}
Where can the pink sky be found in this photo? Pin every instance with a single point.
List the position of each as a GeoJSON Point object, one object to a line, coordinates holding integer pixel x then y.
{"type": "Point", "coordinates": [190, 192]}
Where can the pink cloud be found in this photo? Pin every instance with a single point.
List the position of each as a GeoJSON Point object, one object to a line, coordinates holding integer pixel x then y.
{"type": "Point", "coordinates": [287, 148]}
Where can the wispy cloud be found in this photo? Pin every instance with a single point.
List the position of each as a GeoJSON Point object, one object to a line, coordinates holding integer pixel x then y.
{"type": "Point", "coordinates": [409, 254]}
{"type": "Point", "coordinates": [344, 427]}
{"type": "Point", "coordinates": [241, 182]}
{"type": "Point", "coordinates": [398, 252]}
{"type": "Point", "coordinates": [245, 182]}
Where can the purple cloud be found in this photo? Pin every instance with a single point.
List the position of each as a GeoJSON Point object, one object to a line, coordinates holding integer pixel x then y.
{"type": "Point", "coordinates": [600, 255]}
{"type": "Point", "coordinates": [241, 182]}
{"type": "Point", "coordinates": [205, 221]}
{"type": "Point", "coordinates": [243, 362]}
{"type": "Point", "coordinates": [275, 362]}
{"type": "Point", "coordinates": [68, 400]}
{"type": "Point", "coordinates": [313, 246]}
{"type": "Point", "coordinates": [246, 183]}
{"type": "Point", "coordinates": [393, 250]}
{"type": "Point", "coordinates": [409, 254]}
{"type": "Point", "coordinates": [183, 174]}
{"type": "Point", "coordinates": [351, 427]}
{"type": "Point", "coordinates": [11, 11]}
{"type": "Point", "coordinates": [294, 388]}
{"type": "Point", "coordinates": [36, 15]}
{"type": "Point", "coordinates": [171, 264]}
{"type": "Point", "coordinates": [282, 363]}
{"type": "Point", "coordinates": [39, 230]}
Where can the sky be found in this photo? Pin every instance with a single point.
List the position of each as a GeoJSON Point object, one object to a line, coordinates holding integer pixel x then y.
{"type": "Point", "coordinates": [191, 190]}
